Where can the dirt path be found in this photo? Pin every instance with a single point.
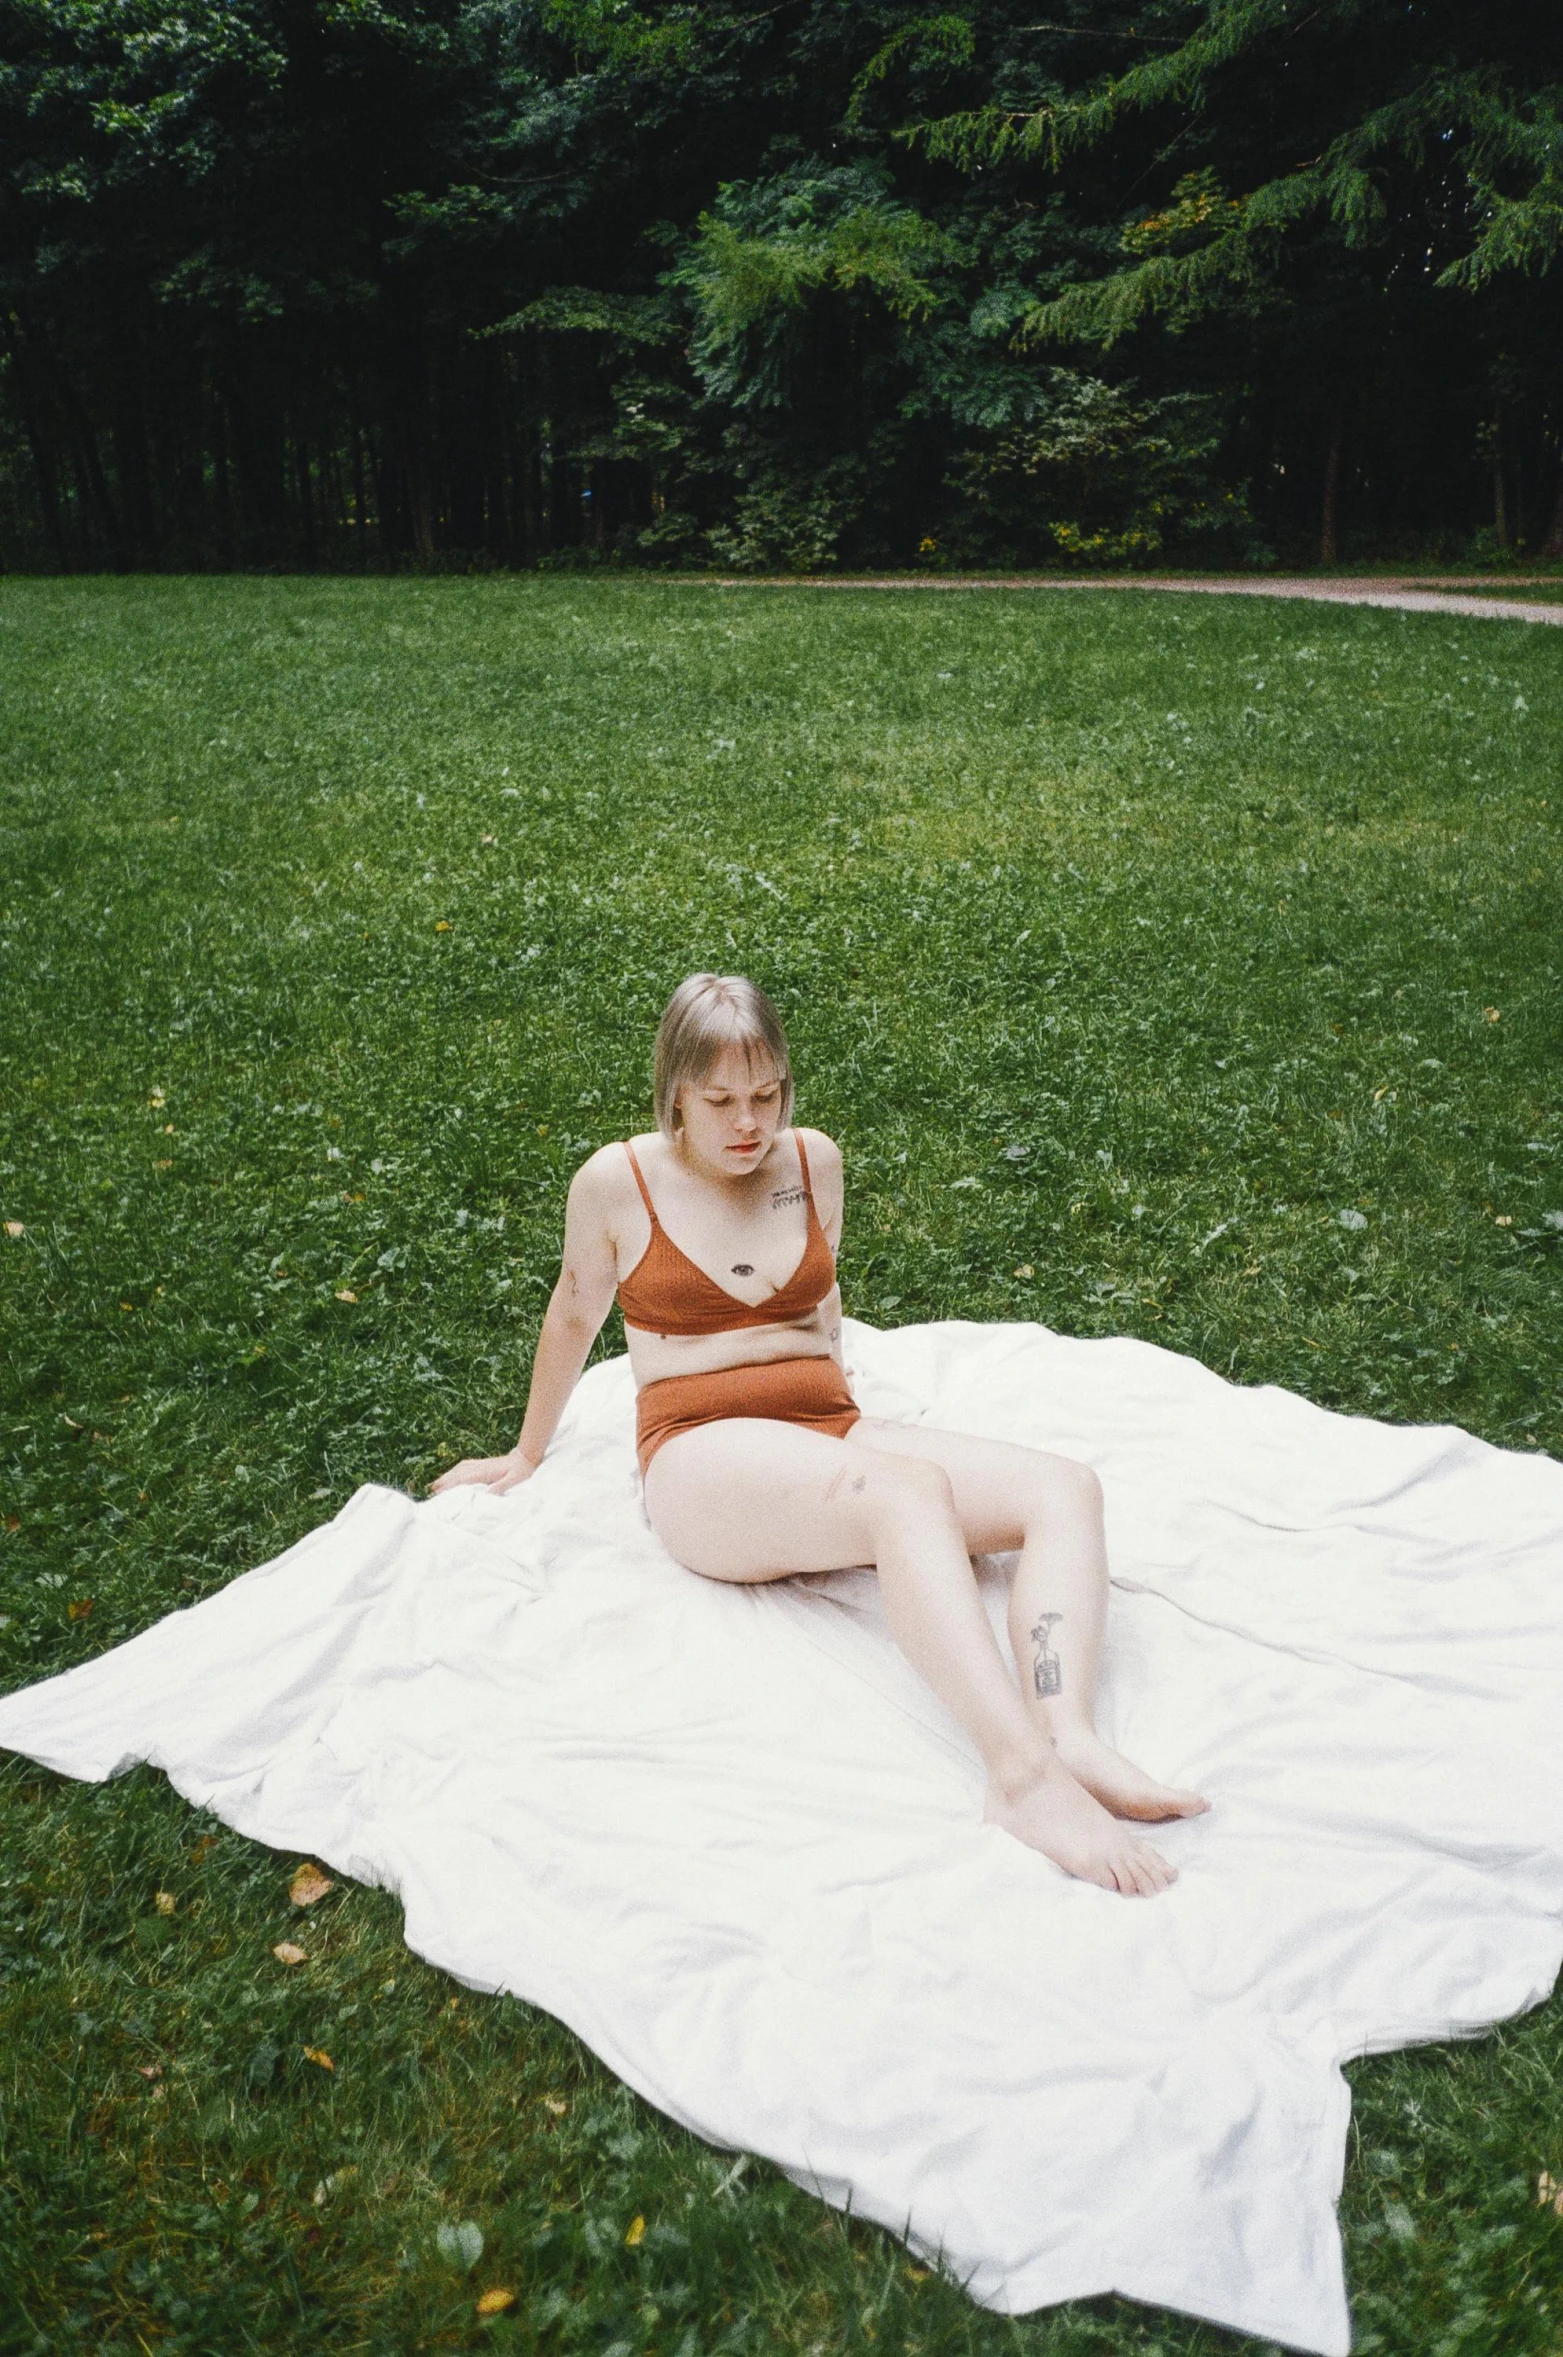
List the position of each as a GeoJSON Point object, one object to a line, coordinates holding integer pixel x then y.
{"type": "Point", "coordinates": [1386, 590]}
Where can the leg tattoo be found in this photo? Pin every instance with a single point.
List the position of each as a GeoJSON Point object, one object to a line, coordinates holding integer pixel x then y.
{"type": "Point", "coordinates": [1048, 1673]}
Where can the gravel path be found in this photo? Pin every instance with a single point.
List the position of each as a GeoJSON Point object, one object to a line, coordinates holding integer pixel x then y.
{"type": "Point", "coordinates": [1369, 591]}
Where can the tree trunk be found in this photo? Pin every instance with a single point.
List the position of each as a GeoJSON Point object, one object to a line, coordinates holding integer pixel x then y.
{"type": "Point", "coordinates": [1552, 546]}
{"type": "Point", "coordinates": [1329, 520]}
{"type": "Point", "coordinates": [42, 455]}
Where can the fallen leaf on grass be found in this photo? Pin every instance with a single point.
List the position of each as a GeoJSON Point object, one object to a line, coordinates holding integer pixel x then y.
{"type": "Point", "coordinates": [345, 1293]}
{"type": "Point", "coordinates": [495, 2303]}
{"type": "Point", "coordinates": [286, 1952]}
{"type": "Point", "coordinates": [14, 1228]}
{"type": "Point", "coordinates": [333, 2184]}
{"type": "Point", "coordinates": [80, 1609]}
{"type": "Point", "coordinates": [203, 1848]}
{"type": "Point", "coordinates": [461, 2246]}
{"type": "Point", "coordinates": [1492, 1015]}
{"type": "Point", "coordinates": [556, 2104]}
{"type": "Point", "coordinates": [320, 2058]}
{"type": "Point", "coordinates": [1549, 2193]}
{"type": "Point", "coordinates": [165, 1902]}
{"type": "Point", "coordinates": [157, 1098]}
{"type": "Point", "coordinates": [1025, 1269]}
{"type": "Point", "coordinates": [150, 2070]}
{"type": "Point", "coordinates": [443, 926]}
{"type": "Point", "coordinates": [636, 2234]}
{"type": "Point", "coordinates": [308, 1885]}
{"type": "Point", "coordinates": [918, 2274]}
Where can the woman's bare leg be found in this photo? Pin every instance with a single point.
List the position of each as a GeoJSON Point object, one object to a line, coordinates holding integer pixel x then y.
{"type": "Point", "coordinates": [1050, 1508]}
{"type": "Point", "coordinates": [750, 1499]}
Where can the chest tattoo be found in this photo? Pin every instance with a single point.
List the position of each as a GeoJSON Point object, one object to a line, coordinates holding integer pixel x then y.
{"type": "Point", "coordinates": [781, 1197]}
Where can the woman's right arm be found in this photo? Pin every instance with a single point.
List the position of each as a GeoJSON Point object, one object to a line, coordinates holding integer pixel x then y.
{"type": "Point", "coordinates": [579, 1304]}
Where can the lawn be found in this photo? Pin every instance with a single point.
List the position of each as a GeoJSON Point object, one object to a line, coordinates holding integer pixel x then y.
{"type": "Point", "coordinates": [1183, 968]}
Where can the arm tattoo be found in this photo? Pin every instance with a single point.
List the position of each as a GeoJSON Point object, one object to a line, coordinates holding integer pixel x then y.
{"type": "Point", "coordinates": [1048, 1672]}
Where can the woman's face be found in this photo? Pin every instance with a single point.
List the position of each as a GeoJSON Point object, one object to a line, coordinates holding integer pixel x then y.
{"type": "Point", "coordinates": [730, 1117]}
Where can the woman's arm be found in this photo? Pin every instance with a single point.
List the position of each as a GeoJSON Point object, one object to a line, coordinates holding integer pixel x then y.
{"type": "Point", "coordinates": [826, 1175]}
{"type": "Point", "coordinates": [572, 1322]}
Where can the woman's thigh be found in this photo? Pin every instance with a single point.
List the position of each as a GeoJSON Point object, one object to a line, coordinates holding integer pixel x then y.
{"type": "Point", "coordinates": [1000, 1489]}
{"type": "Point", "coordinates": [751, 1498]}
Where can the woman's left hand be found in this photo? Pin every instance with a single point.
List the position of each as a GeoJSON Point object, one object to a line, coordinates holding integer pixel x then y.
{"type": "Point", "coordinates": [494, 1473]}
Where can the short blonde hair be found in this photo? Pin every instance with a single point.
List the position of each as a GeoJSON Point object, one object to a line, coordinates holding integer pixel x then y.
{"type": "Point", "coordinates": [707, 1013]}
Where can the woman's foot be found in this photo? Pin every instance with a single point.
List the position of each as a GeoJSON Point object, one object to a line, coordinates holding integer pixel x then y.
{"type": "Point", "coordinates": [1056, 1815]}
{"type": "Point", "coordinates": [1116, 1782]}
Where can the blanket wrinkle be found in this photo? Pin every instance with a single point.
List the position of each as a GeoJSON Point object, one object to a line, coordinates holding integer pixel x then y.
{"type": "Point", "coordinates": [730, 1838]}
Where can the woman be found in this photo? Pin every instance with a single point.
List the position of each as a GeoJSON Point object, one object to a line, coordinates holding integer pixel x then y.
{"type": "Point", "coordinates": [758, 1464]}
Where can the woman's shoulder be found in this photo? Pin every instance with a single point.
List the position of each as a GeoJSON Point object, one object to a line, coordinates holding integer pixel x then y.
{"type": "Point", "coordinates": [604, 1177]}
{"type": "Point", "coordinates": [823, 1152]}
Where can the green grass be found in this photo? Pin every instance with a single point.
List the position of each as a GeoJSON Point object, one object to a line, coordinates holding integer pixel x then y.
{"type": "Point", "coordinates": [1173, 928]}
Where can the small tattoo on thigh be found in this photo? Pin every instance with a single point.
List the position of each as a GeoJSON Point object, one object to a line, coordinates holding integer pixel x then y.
{"type": "Point", "coordinates": [1048, 1670]}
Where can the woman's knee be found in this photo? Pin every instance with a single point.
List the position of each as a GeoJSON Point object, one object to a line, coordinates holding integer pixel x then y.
{"type": "Point", "coordinates": [908, 1489]}
{"type": "Point", "coordinates": [1062, 1486]}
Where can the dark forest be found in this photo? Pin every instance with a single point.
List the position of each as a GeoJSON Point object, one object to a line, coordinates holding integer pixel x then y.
{"type": "Point", "coordinates": [456, 283]}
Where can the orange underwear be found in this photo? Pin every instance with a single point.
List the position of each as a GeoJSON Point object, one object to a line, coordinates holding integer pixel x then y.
{"type": "Point", "coordinates": [812, 1392]}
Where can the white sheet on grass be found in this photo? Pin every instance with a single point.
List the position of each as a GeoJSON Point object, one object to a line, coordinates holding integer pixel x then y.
{"type": "Point", "coordinates": [729, 1838]}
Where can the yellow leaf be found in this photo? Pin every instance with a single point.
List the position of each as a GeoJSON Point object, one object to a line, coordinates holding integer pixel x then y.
{"type": "Point", "coordinates": [1492, 1014]}
{"type": "Point", "coordinates": [495, 2303]}
{"type": "Point", "coordinates": [203, 1848]}
{"type": "Point", "coordinates": [1503, 1219]}
{"type": "Point", "coordinates": [308, 1885]}
{"type": "Point", "coordinates": [165, 1902]}
{"type": "Point", "coordinates": [636, 2235]}
{"type": "Point", "coordinates": [319, 2056]}
{"type": "Point", "coordinates": [918, 2274]}
{"type": "Point", "coordinates": [443, 926]}
{"type": "Point", "coordinates": [1025, 1269]}
{"type": "Point", "coordinates": [14, 1228]}
{"type": "Point", "coordinates": [286, 1953]}
{"type": "Point", "coordinates": [346, 1293]}
{"type": "Point", "coordinates": [157, 1098]}
{"type": "Point", "coordinates": [556, 2104]}
{"type": "Point", "coordinates": [80, 1609]}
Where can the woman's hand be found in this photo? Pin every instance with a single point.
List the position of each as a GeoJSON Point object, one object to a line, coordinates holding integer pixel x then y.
{"type": "Point", "coordinates": [493, 1473]}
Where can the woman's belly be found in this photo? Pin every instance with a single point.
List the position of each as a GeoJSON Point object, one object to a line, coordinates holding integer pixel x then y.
{"type": "Point", "coordinates": [655, 1357]}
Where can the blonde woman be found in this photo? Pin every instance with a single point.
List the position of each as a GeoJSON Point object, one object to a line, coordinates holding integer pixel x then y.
{"type": "Point", "coordinates": [718, 1232]}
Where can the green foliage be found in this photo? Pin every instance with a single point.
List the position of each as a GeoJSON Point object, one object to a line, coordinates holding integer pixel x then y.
{"type": "Point", "coordinates": [928, 42]}
{"type": "Point", "coordinates": [770, 245]}
{"type": "Point", "coordinates": [1478, 123]}
{"type": "Point", "coordinates": [1108, 478]}
{"type": "Point", "coordinates": [1202, 901]}
{"type": "Point", "coordinates": [364, 283]}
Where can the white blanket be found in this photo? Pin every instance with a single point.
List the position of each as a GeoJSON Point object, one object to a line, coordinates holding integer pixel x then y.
{"type": "Point", "coordinates": [729, 1837]}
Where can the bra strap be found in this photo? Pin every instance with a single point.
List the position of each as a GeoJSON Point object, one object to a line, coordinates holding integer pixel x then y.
{"type": "Point", "coordinates": [645, 1191]}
